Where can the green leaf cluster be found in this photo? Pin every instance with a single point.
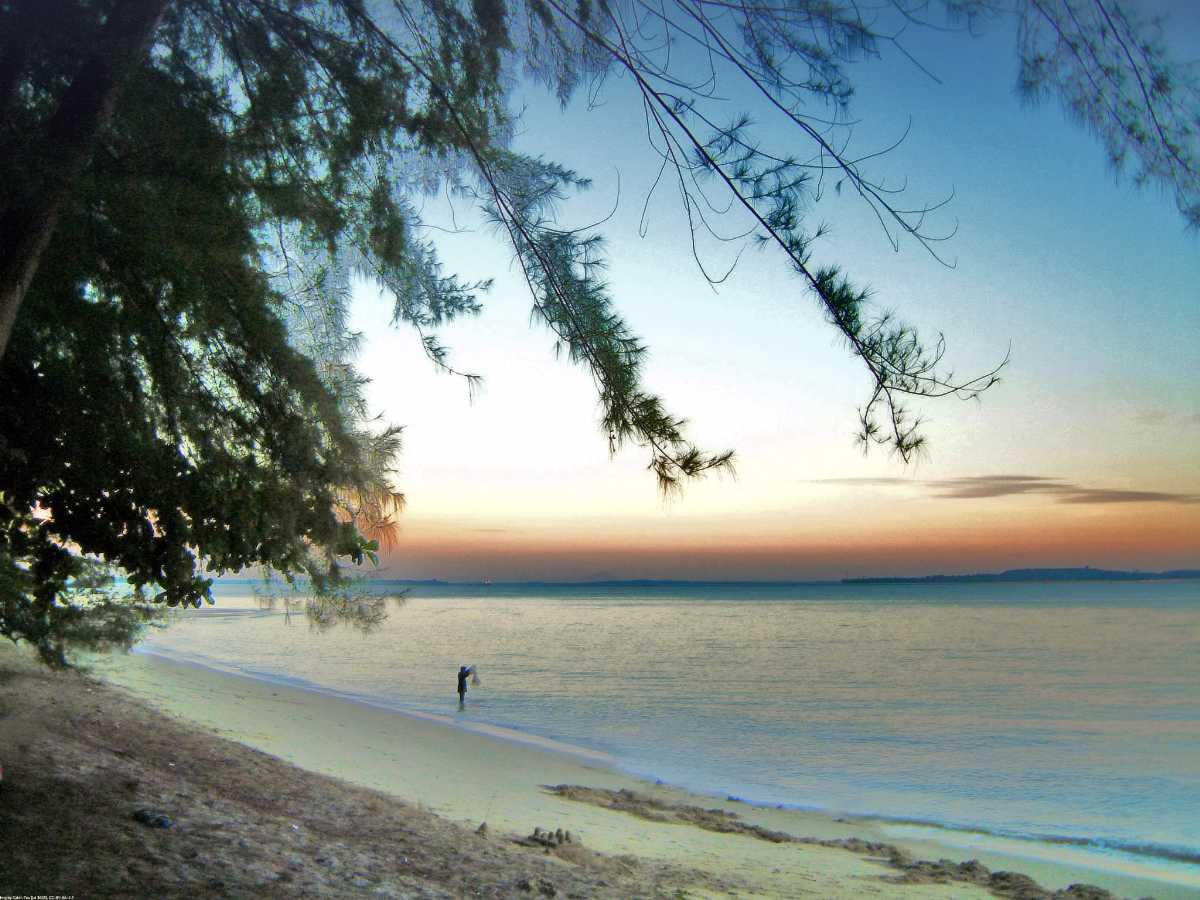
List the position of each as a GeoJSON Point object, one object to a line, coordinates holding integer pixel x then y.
{"type": "Point", "coordinates": [179, 398]}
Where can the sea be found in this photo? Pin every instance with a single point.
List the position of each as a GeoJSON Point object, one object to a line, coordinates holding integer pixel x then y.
{"type": "Point", "coordinates": [1052, 713]}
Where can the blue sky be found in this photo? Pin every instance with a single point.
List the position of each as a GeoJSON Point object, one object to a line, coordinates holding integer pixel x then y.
{"type": "Point", "coordinates": [1093, 283]}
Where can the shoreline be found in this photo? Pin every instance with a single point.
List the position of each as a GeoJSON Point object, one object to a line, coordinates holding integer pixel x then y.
{"type": "Point", "coordinates": [951, 837]}
{"type": "Point", "coordinates": [494, 732]}
{"type": "Point", "coordinates": [472, 772]}
{"type": "Point", "coordinates": [1108, 853]}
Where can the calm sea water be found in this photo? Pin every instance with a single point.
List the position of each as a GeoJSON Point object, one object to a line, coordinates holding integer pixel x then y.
{"type": "Point", "coordinates": [1063, 711]}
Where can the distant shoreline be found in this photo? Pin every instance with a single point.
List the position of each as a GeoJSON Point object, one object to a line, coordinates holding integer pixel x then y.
{"type": "Point", "coordinates": [1084, 573]}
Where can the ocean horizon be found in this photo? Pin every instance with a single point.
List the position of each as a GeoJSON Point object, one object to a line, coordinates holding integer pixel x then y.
{"type": "Point", "coordinates": [1068, 574]}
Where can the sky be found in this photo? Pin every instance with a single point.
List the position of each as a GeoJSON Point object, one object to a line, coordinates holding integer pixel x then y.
{"type": "Point", "coordinates": [1087, 452]}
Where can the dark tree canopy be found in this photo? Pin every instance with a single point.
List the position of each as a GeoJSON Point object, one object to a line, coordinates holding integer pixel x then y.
{"type": "Point", "coordinates": [187, 188]}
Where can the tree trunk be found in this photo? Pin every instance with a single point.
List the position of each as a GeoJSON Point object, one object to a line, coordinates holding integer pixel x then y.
{"type": "Point", "coordinates": [85, 108]}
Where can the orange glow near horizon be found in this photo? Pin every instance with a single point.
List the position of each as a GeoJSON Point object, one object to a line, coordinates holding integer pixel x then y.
{"type": "Point", "coordinates": [1151, 537]}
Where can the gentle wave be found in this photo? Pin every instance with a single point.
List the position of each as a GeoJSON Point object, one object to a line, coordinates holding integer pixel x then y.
{"type": "Point", "coordinates": [1167, 852]}
{"type": "Point", "coordinates": [224, 612]}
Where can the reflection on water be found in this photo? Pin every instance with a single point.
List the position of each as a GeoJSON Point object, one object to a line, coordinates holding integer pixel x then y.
{"type": "Point", "coordinates": [1067, 710]}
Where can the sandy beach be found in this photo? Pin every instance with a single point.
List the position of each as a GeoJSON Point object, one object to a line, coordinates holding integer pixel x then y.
{"type": "Point", "coordinates": [265, 784]}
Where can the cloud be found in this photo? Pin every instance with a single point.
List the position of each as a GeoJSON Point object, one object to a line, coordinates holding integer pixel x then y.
{"type": "Point", "coordinates": [1101, 495]}
{"type": "Point", "coordinates": [995, 486]}
{"type": "Point", "coordinates": [876, 481]}
{"type": "Point", "coordinates": [977, 487]}
{"type": "Point", "coordinates": [1156, 416]}
{"type": "Point", "coordinates": [1151, 416]}
{"type": "Point", "coordinates": [1063, 491]}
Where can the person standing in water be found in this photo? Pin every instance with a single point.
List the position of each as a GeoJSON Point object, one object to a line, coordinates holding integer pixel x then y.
{"type": "Point", "coordinates": [463, 673]}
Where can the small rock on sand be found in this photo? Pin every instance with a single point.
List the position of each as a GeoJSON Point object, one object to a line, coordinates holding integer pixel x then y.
{"type": "Point", "coordinates": [153, 818]}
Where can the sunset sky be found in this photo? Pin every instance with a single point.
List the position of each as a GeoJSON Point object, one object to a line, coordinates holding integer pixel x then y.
{"type": "Point", "coordinates": [1088, 452]}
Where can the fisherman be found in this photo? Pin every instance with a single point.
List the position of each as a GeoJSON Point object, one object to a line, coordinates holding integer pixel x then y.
{"type": "Point", "coordinates": [464, 672]}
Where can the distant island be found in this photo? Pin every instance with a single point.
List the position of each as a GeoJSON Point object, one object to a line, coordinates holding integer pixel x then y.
{"type": "Point", "coordinates": [1087, 573]}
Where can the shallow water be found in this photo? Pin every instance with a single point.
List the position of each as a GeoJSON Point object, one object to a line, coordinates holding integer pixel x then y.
{"type": "Point", "coordinates": [1066, 712]}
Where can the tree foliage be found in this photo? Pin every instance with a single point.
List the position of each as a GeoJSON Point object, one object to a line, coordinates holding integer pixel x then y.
{"type": "Point", "coordinates": [188, 188]}
{"type": "Point", "coordinates": [1109, 70]}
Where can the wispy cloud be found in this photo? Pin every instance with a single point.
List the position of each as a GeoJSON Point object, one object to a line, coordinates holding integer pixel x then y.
{"type": "Point", "coordinates": [1101, 495]}
{"type": "Point", "coordinates": [1157, 416]}
{"type": "Point", "coordinates": [995, 486]}
{"type": "Point", "coordinates": [1151, 416]}
{"type": "Point", "coordinates": [984, 486]}
{"type": "Point", "coordinates": [875, 481]}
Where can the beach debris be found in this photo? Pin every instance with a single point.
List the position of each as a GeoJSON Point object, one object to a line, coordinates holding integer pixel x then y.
{"type": "Point", "coordinates": [152, 818]}
{"type": "Point", "coordinates": [547, 838]}
{"type": "Point", "coordinates": [543, 887]}
{"type": "Point", "coordinates": [1012, 885]}
{"type": "Point", "coordinates": [653, 810]}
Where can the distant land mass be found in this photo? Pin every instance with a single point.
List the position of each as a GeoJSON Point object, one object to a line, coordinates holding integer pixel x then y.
{"type": "Point", "coordinates": [1087, 573]}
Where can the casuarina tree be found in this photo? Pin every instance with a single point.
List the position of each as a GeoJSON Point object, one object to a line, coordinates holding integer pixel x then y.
{"type": "Point", "coordinates": [188, 188]}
